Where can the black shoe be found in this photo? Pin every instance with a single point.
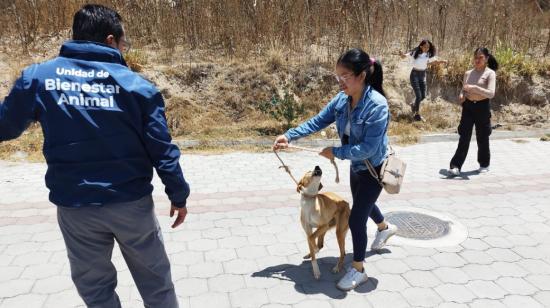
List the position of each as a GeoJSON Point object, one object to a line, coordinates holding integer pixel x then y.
{"type": "Point", "coordinates": [418, 117]}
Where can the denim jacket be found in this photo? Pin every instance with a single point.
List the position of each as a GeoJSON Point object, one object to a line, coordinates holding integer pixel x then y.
{"type": "Point", "coordinates": [369, 122]}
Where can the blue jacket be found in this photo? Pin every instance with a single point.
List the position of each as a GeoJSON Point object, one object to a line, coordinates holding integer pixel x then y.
{"type": "Point", "coordinates": [104, 127]}
{"type": "Point", "coordinates": [369, 122]}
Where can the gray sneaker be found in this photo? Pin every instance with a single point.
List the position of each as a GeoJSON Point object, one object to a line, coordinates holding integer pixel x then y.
{"type": "Point", "coordinates": [352, 279]}
{"type": "Point", "coordinates": [383, 236]}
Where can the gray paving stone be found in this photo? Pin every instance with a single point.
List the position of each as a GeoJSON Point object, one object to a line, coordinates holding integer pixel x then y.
{"type": "Point", "coordinates": [387, 299]}
{"type": "Point", "coordinates": [475, 244]}
{"type": "Point", "coordinates": [226, 283]}
{"type": "Point", "coordinates": [10, 273]}
{"type": "Point", "coordinates": [220, 255]}
{"type": "Point", "coordinates": [252, 252]}
{"type": "Point", "coordinates": [240, 266]}
{"type": "Point", "coordinates": [189, 287]}
{"type": "Point", "coordinates": [535, 266]}
{"type": "Point", "coordinates": [449, 259]}
{"type": "Point", "coordinates": [421, 279]}
{"type": "Point", "coordinates": [391, 282]}
{"type": "Point", "coordinates": [67, 298]}
{"type": "Point", "coordinates": [282, 249]}
{"type": "Point", "coordinates": [480, 272]}
{"type": "Point", "coordinates": [392, 266]}
{"type": "Point", "coordinates": [508, 269]}
{"type": "Point", "coordinates": [421, 263]}
{"type": "Point", "coordinates": [233, 242]}
{"type": "Point", "coordinates": [455, 293]}
{"type": "Point", "coordinates": [421, 297]}
{"type": "Point", "coordinates": [486, 289]}
{"type": "Point", "coordinates": [313, 303]}
{"type": "Point", "coordinates": [477, 257]}
{"type": "Point", "coordinates": [249, 298]}
{"type": "Point", "coordinates": [520, 301]}
{"type": "Point", "coordinates": [205, 270]}
{"type": "Point", "coordinates": [543, 298]}
{"type": "Point", "coordinates": [203, 245]}
{"type": "Point", "coordinates": [516, 286]}
{"type": "Point", "coordinates": [186, 258]}
{"type": "Point", "coordinates": [25, 300]}
{"type": "Point", "coordinates": [530, 252]}
{"type": "Point", "coordinates": [451, 275]}
{"type": "Point", "coordinates": [351, 301]}
{"type": "Point", "coordinates": [542, 282]}
{"type": "Point", "coordinates": [15, 287]}
{"type": "Point", "coordinates": [484, 303]}
{"type": "Point", "coordinates": [502, 254]}
{"type": "Point", "coordinates": [210, 299]}
{"type": "Point", "coordinates": [53, 284]}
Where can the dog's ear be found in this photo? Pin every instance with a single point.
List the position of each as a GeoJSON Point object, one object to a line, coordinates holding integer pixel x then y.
{"type": "Point", "coordinates": [320, 186]}
{"type": "Point", "coordinates": [300, 185]}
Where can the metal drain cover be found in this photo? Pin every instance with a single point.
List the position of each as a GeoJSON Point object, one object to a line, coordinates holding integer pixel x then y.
{"type": "Point", "coordinates": [418, 226]}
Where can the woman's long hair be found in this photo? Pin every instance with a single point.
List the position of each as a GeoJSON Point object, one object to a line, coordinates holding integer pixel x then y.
{"type": "Point", "coordinates": [491, 60]}
{"type": "Point", "coordinates": [431, 51]}
{"type": "Point", "coordinates": [358, 61]}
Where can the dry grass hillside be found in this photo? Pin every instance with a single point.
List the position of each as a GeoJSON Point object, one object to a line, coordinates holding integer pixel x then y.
{"type": "Point", "coordinates": [218, 63]}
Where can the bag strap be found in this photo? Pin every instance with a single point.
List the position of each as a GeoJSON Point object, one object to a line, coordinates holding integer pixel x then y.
{"type": "Point", "coordinates": [373, 172]}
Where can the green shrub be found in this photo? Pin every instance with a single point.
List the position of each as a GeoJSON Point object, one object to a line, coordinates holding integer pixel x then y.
{"type": "Point", "coordinates": [285, 109]}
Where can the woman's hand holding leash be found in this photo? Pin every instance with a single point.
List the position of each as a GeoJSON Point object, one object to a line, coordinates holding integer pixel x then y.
{"type": "Point", "coordinates": [281, 142]}
{"type": "Point", "coordinates": [327, 152]}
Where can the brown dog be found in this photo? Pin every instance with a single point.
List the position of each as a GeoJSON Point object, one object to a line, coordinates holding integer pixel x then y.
{"type": "Point", "coordinates": [322, 211]}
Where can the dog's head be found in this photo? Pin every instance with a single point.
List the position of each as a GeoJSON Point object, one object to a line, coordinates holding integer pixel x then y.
{"type": "Point", "coordinates": [311, 181]}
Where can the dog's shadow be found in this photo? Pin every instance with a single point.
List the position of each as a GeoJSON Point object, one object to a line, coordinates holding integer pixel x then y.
{"type": "Point", "coordinates": [305, 283]}
{"type": "Point", "coordinates": [463, 175]}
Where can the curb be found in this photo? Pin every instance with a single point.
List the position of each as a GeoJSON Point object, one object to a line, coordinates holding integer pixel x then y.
{"type": "Point", "coordinates": [319, 143]}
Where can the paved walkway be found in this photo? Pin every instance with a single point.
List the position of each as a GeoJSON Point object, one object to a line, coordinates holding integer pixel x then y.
{"type": "Point", "coordinates": [242, 244]}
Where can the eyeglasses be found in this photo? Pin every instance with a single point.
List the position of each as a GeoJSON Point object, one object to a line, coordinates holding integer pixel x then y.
{"type": "Point", "coordinates": [342, 78]}
{"type": "Point", "coordinates": [125, 45]}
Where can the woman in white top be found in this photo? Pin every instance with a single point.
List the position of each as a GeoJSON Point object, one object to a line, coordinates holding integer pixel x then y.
{"type": "Point", "coordinates": [421, 56]}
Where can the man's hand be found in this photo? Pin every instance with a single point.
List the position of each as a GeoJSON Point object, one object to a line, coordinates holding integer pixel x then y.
{"type": "Point", "coordinates": [468, 87]}
{"type": "Point", "coordinates": [327, 152]}
{"type": "Point", "coordinates": [182, 212]}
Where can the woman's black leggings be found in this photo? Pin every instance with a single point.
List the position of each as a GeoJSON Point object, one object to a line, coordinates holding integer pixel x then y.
{"type": "Point", "coordinates": [418, 83]}
{"type": "Point", "coordinates": [365, 191]}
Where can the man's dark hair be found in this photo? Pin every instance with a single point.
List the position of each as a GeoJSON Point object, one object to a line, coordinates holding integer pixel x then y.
{"type": "Point", "coordinates": [94, 22]}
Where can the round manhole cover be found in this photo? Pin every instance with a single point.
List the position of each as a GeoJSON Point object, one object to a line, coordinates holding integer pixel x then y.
{"type": "Point", "coordinates": [418, 226]}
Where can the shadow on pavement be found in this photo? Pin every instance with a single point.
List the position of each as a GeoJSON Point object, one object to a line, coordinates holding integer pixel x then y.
{"type": "Point", "coordinates": [463, 175]}
{"type": "Point", "coordinates": [305, 283]}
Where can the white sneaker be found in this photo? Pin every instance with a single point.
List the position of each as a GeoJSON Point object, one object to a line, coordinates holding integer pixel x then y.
{"type": "Point", "coordinates": [383, 236]}
{"type": "Point", "coordinates": [352, 279]}
{"type": "Point", "coordinates": [483, 169]}
{"type": "Point", "coordinates": [454, 171]}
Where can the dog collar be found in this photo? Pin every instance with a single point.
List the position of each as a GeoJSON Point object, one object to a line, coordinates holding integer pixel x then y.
{"type": "Point", "coordinates": [308, 195]}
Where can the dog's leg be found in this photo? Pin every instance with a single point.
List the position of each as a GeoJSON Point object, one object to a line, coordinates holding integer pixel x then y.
{"type": "Point", "coordinates": [341, 231]}
{"type": "Point", "coordinates": [312, 248]}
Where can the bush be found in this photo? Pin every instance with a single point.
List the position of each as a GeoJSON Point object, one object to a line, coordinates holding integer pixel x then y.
{"type": "Point", "coordinates": [283, 109]}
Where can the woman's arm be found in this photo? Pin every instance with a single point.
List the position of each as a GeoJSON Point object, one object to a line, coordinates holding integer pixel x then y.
{"type": "Point", "coordinates": [323, 119]}
{"type": "Point", "coordinates": [377, 123]}
{"type": "Point", "coordinates": [491, 86]}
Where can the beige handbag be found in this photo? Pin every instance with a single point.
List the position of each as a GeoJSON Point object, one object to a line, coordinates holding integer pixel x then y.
{"type": "Point", "coordinates": [391, 174]}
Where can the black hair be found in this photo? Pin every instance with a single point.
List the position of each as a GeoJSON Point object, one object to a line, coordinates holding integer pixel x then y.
{"type": "Point", "coordinates": [431, 51]}
{"type": "Point", "coordinates": [94, 22]}
{"type": "Point", "coordinates": [491, 60]}
{"type": "Point", "coordinates": [358, 61]}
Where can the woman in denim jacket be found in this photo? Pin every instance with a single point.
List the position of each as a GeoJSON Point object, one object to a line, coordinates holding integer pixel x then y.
{"type": "Point", "coordinates": [361, 114]}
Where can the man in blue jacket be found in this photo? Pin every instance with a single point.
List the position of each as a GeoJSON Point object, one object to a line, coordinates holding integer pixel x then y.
{"type": "Point", "coordinates": [104, 132]}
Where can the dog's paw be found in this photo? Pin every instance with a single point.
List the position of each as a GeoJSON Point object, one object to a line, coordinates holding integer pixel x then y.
{"type": "Point", "coordinates": [316, 270]}
{"type": "Point", "coordinates": [317, 275]}
{"type": "Point", "coordinates": [308, 256]}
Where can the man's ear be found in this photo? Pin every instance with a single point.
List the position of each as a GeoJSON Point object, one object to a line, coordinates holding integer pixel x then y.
{"type": "Point", "coordinates": [320, 186]}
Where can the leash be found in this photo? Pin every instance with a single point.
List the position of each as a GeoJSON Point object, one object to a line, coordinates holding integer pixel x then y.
{"type": "Point", "coordinates": [287, 168]}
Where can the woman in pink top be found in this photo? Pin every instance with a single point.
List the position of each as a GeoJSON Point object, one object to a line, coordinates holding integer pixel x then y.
{"type": "Point", "coordinates": [478, 89]}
